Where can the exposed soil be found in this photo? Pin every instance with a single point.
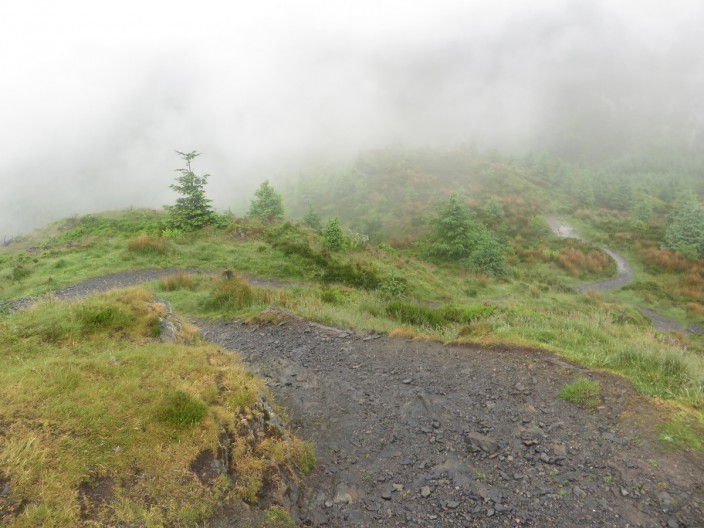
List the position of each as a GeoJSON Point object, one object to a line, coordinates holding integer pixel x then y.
{"type": "Point", "coordinates": [415, 433]}
{"type": "Point", "coordinates": [624, 276]}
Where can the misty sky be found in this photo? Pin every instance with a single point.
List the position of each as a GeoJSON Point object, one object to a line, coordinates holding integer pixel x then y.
{"type": "Point", "coordinates": [96, 96]}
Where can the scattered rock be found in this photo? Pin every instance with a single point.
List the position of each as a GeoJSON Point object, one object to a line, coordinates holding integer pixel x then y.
{"type": "Point", "coordinates": [479, 442]}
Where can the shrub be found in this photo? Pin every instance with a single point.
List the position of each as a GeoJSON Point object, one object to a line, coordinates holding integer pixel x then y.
{"type": "Point", "coordinates": [145, 245]}
{"type": "Point", "coordinates": [661, 259]}
{"type": "Point", "coordinates": [333, 238]}
{"type": "Point", "coordinates": [455, 232]}
{"type": "Point", "coordinates": [488, 256]}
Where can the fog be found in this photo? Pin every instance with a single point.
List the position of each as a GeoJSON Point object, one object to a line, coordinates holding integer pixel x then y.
{"type": "Point", "coordinates": [96, 97]}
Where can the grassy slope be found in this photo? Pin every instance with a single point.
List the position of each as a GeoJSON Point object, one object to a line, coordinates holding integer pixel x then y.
{"type": "Point", "coordinates": [534, 308]}
{"type": "Point", "coordinates": [92, 401]}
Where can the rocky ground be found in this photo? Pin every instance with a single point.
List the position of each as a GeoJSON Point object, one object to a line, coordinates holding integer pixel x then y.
{"type": "Point", "coordinates": [413, 433]}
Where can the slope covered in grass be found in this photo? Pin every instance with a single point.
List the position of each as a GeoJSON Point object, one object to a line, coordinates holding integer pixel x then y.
{"type": "Point", "coordinates": [101, 423]}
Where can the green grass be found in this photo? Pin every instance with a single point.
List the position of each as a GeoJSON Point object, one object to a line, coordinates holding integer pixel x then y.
{"type": "Point", "coordinates": [582, 391]}
{"type": "Point", "coordinates": [408, 296]}
{"type": "Point", "coordinates": [90, 396]}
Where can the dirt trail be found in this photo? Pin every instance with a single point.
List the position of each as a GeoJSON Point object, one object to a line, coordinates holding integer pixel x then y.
{"type": "Point", "coordinates": [624, 273]}
{"type": "Point", "coordinates": [624, 276]}
{"type": "Point", "coordinates": [413, 433]}
{"type": "Point", "coordinates": [122, 280]}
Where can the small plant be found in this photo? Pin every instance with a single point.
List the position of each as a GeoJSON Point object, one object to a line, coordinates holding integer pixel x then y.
{"type": "Point", "coordinates": [563, 492]}
{"type": "Point", "coordinates": [171, 233]}
{"type": "Point", "coordinates": [277, 517]}
{"type": "Point", "coordinates": [582, 391]}
{"type": "Point", "coordinates": [356, 240]}
{"type": "Point", "coordinates": [332, 234]}
{"type": "Point", "coordinates": [465, 314]}
{"type": "Point", "coordinates": [608, 479]}
{"type": "Point", "coordinates": [394, 286]}
{"type": "Point", "coordinates": [181, 410]}
{"type": "Point", "coordinates": [653, 462]}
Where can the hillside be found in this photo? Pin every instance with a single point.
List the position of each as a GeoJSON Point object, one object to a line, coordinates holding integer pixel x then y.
{"type": "Point", "coordinates": [281, 275]}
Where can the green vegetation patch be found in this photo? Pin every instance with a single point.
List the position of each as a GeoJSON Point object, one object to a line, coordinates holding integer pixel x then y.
{"type": "Point", "coordinates": [683, 431]}
{"type": "Point", "coordinates": [582, 391]}
{"type": "Point", "coordinates": [102, 424]}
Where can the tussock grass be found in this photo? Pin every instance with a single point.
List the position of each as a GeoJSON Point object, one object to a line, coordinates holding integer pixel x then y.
{"type": "Point", "coordinates": [90, 400]}
{"type": "Point", "coordinates": [144, 244]}
{"type": "Point", "coordinates": [177, 281]}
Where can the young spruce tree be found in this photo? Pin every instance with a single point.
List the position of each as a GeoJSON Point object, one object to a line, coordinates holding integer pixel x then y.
{"type": "Point", "coordinates": [192, 210]}
{"type": "Point", "coordinates": [267, 204]}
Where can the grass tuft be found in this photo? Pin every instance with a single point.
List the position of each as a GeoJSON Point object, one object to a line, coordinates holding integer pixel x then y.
{"type": "Point", "coordinates": [230, 295]}
{"type": "Point", "coordinates": [146, 245]}
{"type": "Point", "coordinates": [177, 281]}
{"type": "Point", "coordinates": [582, 391]}
{"type": "Point", "coordinates": [181, 410]}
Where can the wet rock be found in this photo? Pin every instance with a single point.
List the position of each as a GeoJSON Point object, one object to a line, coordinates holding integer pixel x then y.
{"type": "Point", "coordinates": [579, 492]}
{"type": "Point", "coordinates": [479, 442]}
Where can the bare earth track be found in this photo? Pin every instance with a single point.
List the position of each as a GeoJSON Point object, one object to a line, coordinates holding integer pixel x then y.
{"type": "Point", "coordinates": [414, 433]}
{"type": "Point", "coordinates": [624, 276]}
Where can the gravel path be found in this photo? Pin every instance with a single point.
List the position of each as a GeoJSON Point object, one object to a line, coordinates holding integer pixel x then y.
{"type": "Point", "coordinates": [624, 273]}
{"type": "Point", "coordinates": [624, 276]}
{"type": "Point", "coordinates": [413, 433]}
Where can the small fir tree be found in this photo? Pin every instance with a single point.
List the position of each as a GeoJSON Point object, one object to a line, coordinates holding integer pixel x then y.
{"type": "Point", "coordinates": [455, 232]}
{"type": "Point", "coordinates": [192, 210]}
{"type": "Point", "coordinates": [267, 204]}
{"type": "Point", "coordinates": [333, 238]}
{"type": "Point", "coordinates": [488, 256]}
{"type": "Point", "coordinates": [686, 230]}
{"type": "Point", "coordinates": [312, 219]}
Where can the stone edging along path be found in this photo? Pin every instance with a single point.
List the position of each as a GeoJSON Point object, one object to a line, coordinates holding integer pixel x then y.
{"type": "Point", "coordinates": [414, 433]}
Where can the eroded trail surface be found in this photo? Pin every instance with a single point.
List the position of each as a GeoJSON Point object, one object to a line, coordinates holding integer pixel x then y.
{"type": "Point", "coordinates": [413, 433]}
{"type": "Point", "coordinates": [624, 273]}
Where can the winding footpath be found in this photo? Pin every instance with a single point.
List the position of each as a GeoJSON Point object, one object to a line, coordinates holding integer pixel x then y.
{"type": "Point", "coordinates": [414, 433]}
{"type": "Point", "coordinates": [623, 277]}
